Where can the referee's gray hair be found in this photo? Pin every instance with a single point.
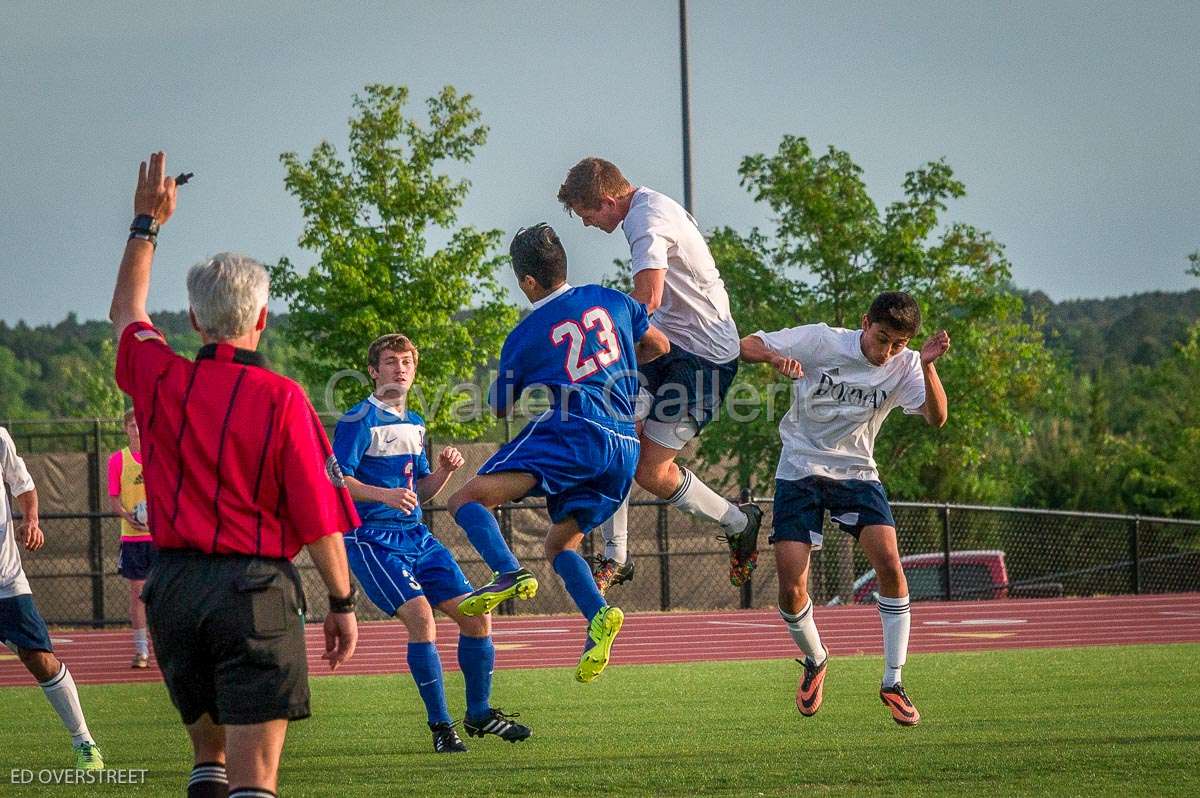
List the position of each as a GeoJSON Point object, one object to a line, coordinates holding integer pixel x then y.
{"type": "Point", "coordinates": [226, 293]}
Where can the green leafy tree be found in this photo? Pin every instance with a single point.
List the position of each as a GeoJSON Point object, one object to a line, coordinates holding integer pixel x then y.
{"type": "Point", "coordinates": [832, 251]}
{"type": "Point", "coordinates": [370, 222]}
{"type": "Point", "coordinates": [17, 376]}
{"type": "Point", "coordinates": [88, 388]}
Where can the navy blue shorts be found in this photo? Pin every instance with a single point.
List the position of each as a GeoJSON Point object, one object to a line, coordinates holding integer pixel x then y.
{"type": "Point", "coordinates": [584, 466]}
{"type": "Point", "coordinates": [135, 558]}
{"type": "Point", "coordinates": [395, 566]}
{"type": "Point", "coordinates": [684, 385]}
{"type": "Point", "coordinates": [21, 625]}
{"type": "Point", "coordinates": [800, 507]}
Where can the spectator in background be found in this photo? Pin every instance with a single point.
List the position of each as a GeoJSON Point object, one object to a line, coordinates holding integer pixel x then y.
{"type": "Point", "coordinates": [21, 626]}
{"type": "Point", "coordinates": [127, 498]}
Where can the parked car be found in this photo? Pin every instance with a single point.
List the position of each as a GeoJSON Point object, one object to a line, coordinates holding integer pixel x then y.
{"type": "Point", "coordinates": [974, 574]}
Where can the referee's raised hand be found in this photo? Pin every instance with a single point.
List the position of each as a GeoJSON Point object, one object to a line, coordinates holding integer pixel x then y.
{"type": "Point", "coordinates": [155, 193]}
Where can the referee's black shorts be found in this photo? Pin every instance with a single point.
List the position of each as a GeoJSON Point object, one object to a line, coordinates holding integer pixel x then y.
{"type": "Point", "coordinates": [228, 634]}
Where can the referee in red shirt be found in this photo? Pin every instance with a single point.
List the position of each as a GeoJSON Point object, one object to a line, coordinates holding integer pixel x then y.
{"type": "Point", "coordinates": [239, 476]}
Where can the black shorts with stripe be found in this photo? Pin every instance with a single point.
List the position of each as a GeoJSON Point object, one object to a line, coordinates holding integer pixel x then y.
{"type": "Point", "coordinates": [228, 634]}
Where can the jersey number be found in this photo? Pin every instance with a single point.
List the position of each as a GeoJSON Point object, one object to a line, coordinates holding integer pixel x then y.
{"type": "Point", "coordinates": [408, 473]}
{"type": "Point", "coordinates": [579, 367]}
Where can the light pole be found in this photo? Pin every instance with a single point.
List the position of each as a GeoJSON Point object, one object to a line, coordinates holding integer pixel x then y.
{"type": "Point", "coordinates": [687, 112]}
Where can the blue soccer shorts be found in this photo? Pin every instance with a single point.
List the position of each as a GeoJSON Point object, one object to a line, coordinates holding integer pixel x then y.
{"type": "Point", "coordinates": [395, 566]}
{"type": "Point", "coordinates": [853, 504]}
{"type": "Point", "coordinates": [584, 466]}
{"type": "Point", "coordinates": [21, 625]}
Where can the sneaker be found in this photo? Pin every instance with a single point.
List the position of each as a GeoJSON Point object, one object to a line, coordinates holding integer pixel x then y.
{"type": "Point", "coordinates": [903, 711]}
{"type": "Point", "coordinates": [88, 757]}
{"type": "Point", "coordinates": [499, 724]}
{"type": "Point", "coordinates": [446, 739]}
{"type": "Point", "coordinates": [610, 573]}
{"type": "Point", "coordinates": [743, 546]}
{"type": "Point", "coordinates": [140, 661]}
{"type": "Point", "coordinates": [811, 690]}
{"type": "Point", "coordinates": [521, 584]}
{"type": "Point", "coordinates": [601, 633]}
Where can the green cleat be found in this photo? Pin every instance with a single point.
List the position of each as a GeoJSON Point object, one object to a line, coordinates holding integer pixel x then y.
{"type": "Point", "coordinates": [519, 584]}
{"type": "Point", "coordinates": [87, 757]}
{"type": "Point", "coordinates": [601, 632]}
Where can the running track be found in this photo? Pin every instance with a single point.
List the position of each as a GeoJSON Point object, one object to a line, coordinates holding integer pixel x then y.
{"type": "Point", "coordinates": [98, 656]}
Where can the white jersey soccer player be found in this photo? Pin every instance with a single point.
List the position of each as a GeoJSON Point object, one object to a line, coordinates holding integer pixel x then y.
{"type": "Point", "coordinates": [845, 383]}
{"type": "Point", "coordinates": [21, 626]}
{"type": "Point", "coordinates": [675, 277]}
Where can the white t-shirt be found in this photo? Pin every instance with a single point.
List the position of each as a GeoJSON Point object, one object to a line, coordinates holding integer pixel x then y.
{"type": "Point", "coordinates": [694, 313]}
{"type": "Point", "coordinates": [12, 576]}
{"type": "Point", "coordinates": [841, 401]}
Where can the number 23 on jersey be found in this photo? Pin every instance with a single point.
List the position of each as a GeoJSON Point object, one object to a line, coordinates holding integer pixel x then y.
{"type": "Point", "coordinates": [575, 333]}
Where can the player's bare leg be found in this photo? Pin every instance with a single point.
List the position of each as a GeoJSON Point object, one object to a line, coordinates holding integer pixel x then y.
{"type": "Point", "coordinates": [658, 473]}
{"type": "Point", "coordinates": [792, 560]}
{"type": "Point", "coordinates": [604, 622]}
{"type": "Point", "coordinates": [252, 754]}
{"type": "Point", "coordinates": [59, 688]}
{"type": "Point", "coordinates": [472, 506]}
{"type": "Point", "coordinates": [209, 776]}
{"type": "Point", "coordinates": [879, 543]}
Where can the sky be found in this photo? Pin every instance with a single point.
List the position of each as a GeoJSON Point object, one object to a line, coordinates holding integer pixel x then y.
{"type": "Point", "coordinates": [1073, 125]}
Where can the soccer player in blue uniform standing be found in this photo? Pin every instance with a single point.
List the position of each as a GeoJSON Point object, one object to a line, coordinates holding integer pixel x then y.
{"type": "Point", "coordinates": [583, 346]}
{"type": "Point", "coordinates": [402, 567]}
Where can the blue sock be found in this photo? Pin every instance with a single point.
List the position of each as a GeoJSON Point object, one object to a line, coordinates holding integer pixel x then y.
{"type": "Point", "coordinates": [484, 534]}
{"type": "Point", "coordinates": [577, 578]}
{"type": "Point", "coordinates": [477, 658]}
{"type": "Point", "coordinates": [426, 668]}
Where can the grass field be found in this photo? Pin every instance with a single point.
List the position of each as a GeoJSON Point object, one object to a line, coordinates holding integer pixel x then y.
{"type": "Point", "coordinates": [1088, 721]}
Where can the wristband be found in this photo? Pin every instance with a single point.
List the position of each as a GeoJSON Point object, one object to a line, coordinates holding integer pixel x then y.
{"type": "Point", "coordinates": [144, 223]}
{"type": "Point", "coordinates": [344, 605]}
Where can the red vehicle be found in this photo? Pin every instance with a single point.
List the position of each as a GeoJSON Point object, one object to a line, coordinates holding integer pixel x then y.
{"type": "Point", "coordinates": [974, 574]}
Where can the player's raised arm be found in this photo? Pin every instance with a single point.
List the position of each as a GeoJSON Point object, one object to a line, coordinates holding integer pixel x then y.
{"type": "Point", "coordinates": [755, 350]}
{"type": "Point", "coordinates": [648, 287]}
{"type": "Point", "coordinates": [153, 204]}
{"type": "Point", "coordinates": [936, 409]}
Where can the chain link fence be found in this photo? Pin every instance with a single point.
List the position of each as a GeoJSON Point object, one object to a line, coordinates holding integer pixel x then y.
{"type": "Point", "coordinates": [950, 552]}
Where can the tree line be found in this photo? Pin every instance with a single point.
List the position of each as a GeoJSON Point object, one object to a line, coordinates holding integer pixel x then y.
{"type": "Point", "coordinates": [1086, 405]}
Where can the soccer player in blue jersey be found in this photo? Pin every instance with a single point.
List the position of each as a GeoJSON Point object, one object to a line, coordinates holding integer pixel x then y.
{"type": "Point", "coordinates": [380, 447]}
{"type": "Point", "coordinates": [583, 346]}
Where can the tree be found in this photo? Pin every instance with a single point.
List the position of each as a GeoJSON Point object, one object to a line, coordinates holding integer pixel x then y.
{"type": "Point", "coordinates": [369, 221]}
{"type": "Point", "coordinates": [831, 253]}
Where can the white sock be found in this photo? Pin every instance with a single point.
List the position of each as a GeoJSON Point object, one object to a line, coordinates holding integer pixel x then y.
{"type": "Point", "coordinates": [894, 615]}
{"type": "Point", "coordinates": [616, 534]}
{"type": "Point", "coordinates": [803, 629]}
{"type": "Point", "coordinates": [696, 498]}
{"type": "Point", "coordinates": [140, 645]}
{"type": "Point", "coordinates": [60, 690]}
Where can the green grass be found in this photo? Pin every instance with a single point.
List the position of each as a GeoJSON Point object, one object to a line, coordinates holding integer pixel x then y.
{"type": "Point", "coordinates": [1089, 722]}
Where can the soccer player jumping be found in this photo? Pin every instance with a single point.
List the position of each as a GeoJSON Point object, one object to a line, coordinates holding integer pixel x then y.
{"type": "Point", "coordinates": [675, 277]}
{"type": "Point", "coordinates": [402, 567]}
{"type": "Point", "coordinates": [580, 344]}
{"type": "Point", "coordinates": [845, 382]}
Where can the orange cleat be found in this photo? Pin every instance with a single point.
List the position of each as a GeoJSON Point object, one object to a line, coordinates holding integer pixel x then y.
{"type": "Point", "coordinates": [903, 711]}
{"type": "Point", "coordinates": [810, 691]}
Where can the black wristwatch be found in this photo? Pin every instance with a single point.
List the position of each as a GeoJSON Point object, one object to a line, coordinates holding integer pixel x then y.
{"type": "Point", "coordinates": [344, 605]}
{"type": "Point", "coordinates": [144, 227]}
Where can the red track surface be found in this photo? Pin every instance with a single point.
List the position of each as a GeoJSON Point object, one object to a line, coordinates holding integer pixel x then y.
{"type": "Point", "coordinates": [532, 642]}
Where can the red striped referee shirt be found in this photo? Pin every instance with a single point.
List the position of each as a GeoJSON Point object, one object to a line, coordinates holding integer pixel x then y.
{"type": "Point", "coordinates": [235, 459]}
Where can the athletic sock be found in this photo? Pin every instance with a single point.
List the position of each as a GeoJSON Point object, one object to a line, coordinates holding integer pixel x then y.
{"type": "Point", "coordinates": [577, 578]}
{"type": "Point", "coordinates": [695, 498]}
{"type": "Point", "coordinates": [484, 533]}
{"type": "Point", "coordinates": [803, 629]}
{"type": "Point", "coordinates": [208, 780]}
{"type": "Point", "coordinates": [894, 615]}
{"type": "Point", "coordinates": [140, 644]}
{"type": "Point", "coordinates": [476, 660]}
{"type": "Point", "coordinates": [426, 668]}
{"type": "Point", "coordinates": [616, 534]}
{"type": "Point", "coordinates": [252, 792]}
{"type": "Point", "coordinates": [62, 694]}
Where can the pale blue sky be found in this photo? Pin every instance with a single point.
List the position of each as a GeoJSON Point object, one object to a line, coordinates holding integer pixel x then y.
{"type": "Point", "coordinates": [1073, 125]}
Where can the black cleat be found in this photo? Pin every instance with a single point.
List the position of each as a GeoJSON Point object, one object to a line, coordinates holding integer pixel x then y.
{"type": "Point", "coordinates": [446, 739]}
{"type": "Point", "coordinates": [743, 546]}
{"type": "Point", "coordinates": [609, 573]}
{"type": "Point", "coordinates": [499, 724]}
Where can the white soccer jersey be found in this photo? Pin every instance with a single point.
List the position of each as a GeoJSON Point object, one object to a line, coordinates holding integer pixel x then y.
{"type": "Point", "coordinates": [12, 576]}
{"type": "Point", "coordinates": [694, 313]}
{"type": "Point", "coordinates": [841, 401]}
